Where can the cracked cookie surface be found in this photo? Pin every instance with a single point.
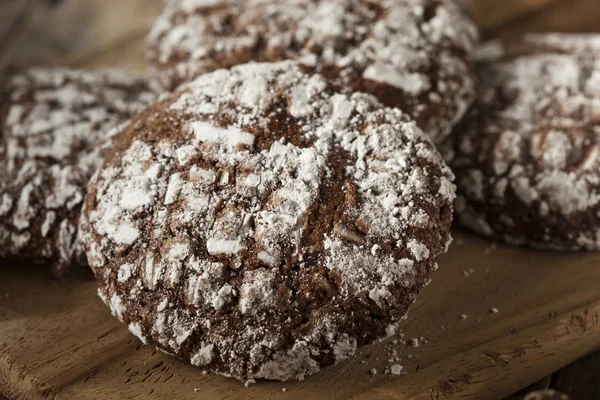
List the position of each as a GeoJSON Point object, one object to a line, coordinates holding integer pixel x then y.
{"type": "Point", "coordinates": [527, 157]}
{"type": "Point", "coordinates": [416, 55]}
{"type": "Point", "coordinates": [263, 225]}
{"type": "Point", "coordinates": [53, 124]}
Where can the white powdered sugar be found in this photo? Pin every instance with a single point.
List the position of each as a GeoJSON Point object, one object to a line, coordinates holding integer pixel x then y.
{"type": "Point", "coordinates": [256, 293]}
{"type": "Point", "coordinates": [56, 123]}
{"type": "Point", "coordinates": [204, 356]}
{"type": "Point", "coordinates": [221, 246]}
{"type": "Point", "coordinates": [419, 250]}
{"type": "Point", "coordinates": [276, 212]}
{"type": "Point", "coordinates": [206, 132]}
{"type": "Point", "coordinates": [416, 48]}
{"type": "Point", "coordinates": [536, 125]}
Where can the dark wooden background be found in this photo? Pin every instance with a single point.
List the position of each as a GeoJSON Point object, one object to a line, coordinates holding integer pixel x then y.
{"type": "Point", "coordinates": [77, 32]}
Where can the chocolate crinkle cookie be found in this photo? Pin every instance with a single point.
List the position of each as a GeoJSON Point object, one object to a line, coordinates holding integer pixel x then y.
{"type": "Point", "coordinates": [53, 124]}
{"type": "Point", "coordinates": [527, 158]}
{"type": "Point", "coordinates": [262, 225]}
{"type": "Point", "coordinates": [546, 394]}
{"type": "Point", "coordinates": [413, 54]}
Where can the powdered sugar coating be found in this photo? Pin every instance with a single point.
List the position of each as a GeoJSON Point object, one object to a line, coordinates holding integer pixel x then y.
{"type": "Point", "coordinates": [259, 264]}
{"type": "Point", "coordinates": [412, 54]}
{"type": "Point", "coordinates": [54, 123]}
{"type": "Point", "coordinates": [527, 160]}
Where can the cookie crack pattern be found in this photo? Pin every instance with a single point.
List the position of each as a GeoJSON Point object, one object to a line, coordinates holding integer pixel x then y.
{"type": "Point", "coordinates": [264, 225]}
{"type": "Point", "coordinates": [54, 124]}
{"type": "Point", "coordinates": [413, 54]}
{"type": "Point", "coordinates": [526, 158]}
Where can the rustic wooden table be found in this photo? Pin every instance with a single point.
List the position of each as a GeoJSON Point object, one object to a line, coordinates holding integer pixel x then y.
{"type": "Point", "coordinates": [57, 340]}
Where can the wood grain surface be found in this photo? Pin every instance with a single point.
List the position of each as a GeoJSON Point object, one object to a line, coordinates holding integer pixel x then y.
{"type": "Point", "coordinates": [556, 16]}
{"type": "Point", "coordinates": [57, 340]}
{"type": "Point", "coordinates": [491, 13]}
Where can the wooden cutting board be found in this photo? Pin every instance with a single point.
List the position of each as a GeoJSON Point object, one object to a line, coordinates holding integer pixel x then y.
{"type": "Point", "coordinates": [57, 340]}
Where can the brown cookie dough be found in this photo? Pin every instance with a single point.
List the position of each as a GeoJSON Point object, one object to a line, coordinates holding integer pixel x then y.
{"type": "Point", "coordinates": [262, 225]}
{"type": "Point", "coordinates": [527, 159]}
{"type": "Point", "coordinates": [412, 54]}
{"type": "Point", "coordinates": [53, 124]}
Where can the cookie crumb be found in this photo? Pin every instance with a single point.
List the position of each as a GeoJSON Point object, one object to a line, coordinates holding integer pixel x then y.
{"type": "Point", "coordinates": [463, 317]}
{"type": "Point", "coordinates": [396, 369]}
{"type": "Point", "coordinates": [494, 310]}
{"type": "Point", "coordinates": [414, 342]}
{"type": "Point", "coordinates": [249, 382]}
{"type": "Point", "coordinates": [490, 249]}
{"type": "Point", "coordinates": [284, 390]}
{"type": "Point", "coordinates": [373, 371]}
